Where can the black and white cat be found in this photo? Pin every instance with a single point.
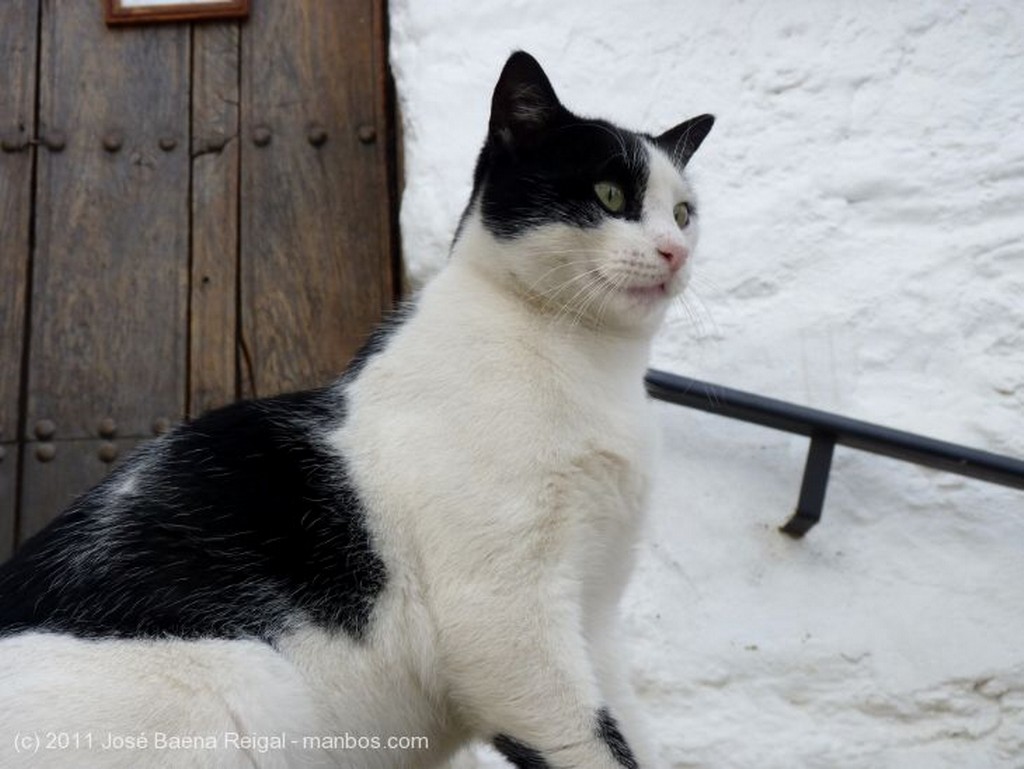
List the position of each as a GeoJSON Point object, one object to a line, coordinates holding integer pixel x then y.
{"type": "Point", "coordinates": [433, 546]}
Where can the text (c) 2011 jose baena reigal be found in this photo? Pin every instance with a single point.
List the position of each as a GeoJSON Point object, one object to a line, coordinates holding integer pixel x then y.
{"type": "Point", "coordinates": [260, 743]}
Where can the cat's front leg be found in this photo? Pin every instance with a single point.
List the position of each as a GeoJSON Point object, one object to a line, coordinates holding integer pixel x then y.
{"type": "Point", "coordinates": [525, 757]}
{"type": "Point", "coordinates": [519, 670]}
{"type": "Point", "coordinates": [607, 651]}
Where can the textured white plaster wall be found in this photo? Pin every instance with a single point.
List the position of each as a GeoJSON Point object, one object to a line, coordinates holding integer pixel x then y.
{"type": "Point", "coordinates": [863, 252]}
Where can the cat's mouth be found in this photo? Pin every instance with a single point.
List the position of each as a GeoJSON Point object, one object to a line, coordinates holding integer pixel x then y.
{"type": "Point", "coordinates": [643, 294]}
{"type": "Point", "coordinates": [652, 293]}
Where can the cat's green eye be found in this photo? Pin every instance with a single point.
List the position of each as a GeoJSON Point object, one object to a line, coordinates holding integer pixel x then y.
{"type": "Point", "coordinates": [682, 213]}
{"type": "Point", "coordinates": [611, 196]}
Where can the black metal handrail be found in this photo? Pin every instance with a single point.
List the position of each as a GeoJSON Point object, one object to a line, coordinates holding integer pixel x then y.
{"type": "Point", "coordinates": [825, 431]}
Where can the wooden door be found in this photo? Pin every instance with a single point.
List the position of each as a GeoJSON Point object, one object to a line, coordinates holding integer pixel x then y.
{"type": "Point", "coordinates": [191, 213]}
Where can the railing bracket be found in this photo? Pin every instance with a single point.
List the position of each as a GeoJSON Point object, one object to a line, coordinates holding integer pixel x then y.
{"type": "Point", "coordinates": [813, 487]}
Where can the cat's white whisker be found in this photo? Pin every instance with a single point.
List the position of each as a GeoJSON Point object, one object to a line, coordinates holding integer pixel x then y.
{"type": "Point", "coordinates": [705, 310]}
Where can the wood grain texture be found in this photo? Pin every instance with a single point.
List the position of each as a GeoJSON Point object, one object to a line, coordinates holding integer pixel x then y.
{"type": "Point", "coordinates": [8, 490]}
{"type": "Point", "coordinates": [213, 367]}
{"type": "Point", "coordinates": [18, 52]}
{"type": "Point", "coordinates": [111, 265]}
{"type": "Point", "coordinates": [316, 250]}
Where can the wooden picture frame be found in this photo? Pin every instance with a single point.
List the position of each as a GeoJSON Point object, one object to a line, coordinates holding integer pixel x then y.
{"type": "Point", "coordinates": [147, 11]}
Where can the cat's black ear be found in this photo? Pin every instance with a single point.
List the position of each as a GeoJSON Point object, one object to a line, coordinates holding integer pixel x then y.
{"type": "Point", "coordinates": [683, 140]}
{"type": "Point", "coordinates": [524, 104]}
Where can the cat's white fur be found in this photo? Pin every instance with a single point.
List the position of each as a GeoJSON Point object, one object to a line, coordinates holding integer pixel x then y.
{"type": "Point", "coordinates": [502, 444]}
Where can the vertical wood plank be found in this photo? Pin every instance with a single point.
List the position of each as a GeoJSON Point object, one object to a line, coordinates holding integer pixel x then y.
{"type": "Point", "coordinates": [316, 250]}
{"type": "Point", "coordinates": [215, 153]}
{"type": "Point", "coordinates": [8, 491]}
{"type": "Point", "coordinates": [110, 273]}
{"type": "Point", "coordinates": [389, 152]}
{"type": "Point", "coordinates": [18, 54]}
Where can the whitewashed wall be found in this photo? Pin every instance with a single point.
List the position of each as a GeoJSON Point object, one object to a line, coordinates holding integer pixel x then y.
{"type": "Point", "coordinates": [863, 252]}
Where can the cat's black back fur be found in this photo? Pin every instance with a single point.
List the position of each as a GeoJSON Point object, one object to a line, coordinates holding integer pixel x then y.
{"type": "Point", "coordinates": [242, 523]}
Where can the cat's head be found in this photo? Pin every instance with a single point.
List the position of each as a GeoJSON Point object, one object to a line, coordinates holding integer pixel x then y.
{"type": "Point", "coordinates": [589, 220]}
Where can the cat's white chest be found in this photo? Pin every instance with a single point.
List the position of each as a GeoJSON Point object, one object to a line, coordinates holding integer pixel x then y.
{"type": "Point", "coordinates": [536, 447]}
{"type": "Point", "coordinates": [611, 463]}
{"type": "Point", "coordinates": [608, 483]}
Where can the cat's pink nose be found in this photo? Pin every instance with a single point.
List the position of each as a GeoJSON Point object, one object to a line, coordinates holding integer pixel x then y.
{"type": "Point", "coordinates": [673, 253]}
